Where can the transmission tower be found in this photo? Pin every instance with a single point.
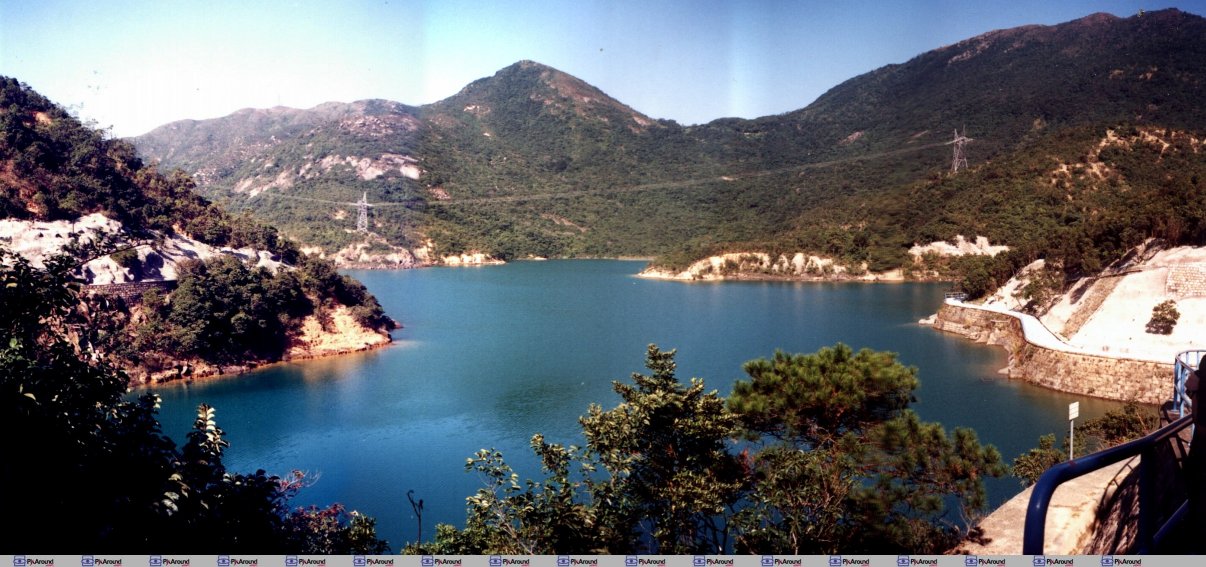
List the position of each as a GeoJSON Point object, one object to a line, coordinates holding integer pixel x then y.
{"type": "Point", "coordinates": [362, 219]}
{"type": "Point", "coordinates": [960, 159]}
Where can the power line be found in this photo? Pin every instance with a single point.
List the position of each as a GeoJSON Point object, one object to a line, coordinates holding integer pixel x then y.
{"type": "Point", "coordinates": [363, 205]}
{"type": "Point", "coordinates": [680, 184]}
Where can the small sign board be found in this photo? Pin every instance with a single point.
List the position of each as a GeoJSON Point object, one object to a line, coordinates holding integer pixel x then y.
{"type": "Point", "coordinates": [1073, 410]}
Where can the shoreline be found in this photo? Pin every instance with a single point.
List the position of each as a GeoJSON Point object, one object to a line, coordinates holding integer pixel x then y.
{"type": "Point", "coordinates": [874, 278]}
{"type": "Point", "coordinates": [494, 262]}
{"type": "Point", "coordinates": [891, 277]}
{"type": "Point", "coordinates": [208, 372]}
{"type": "Point", "coordinates": [794, 267]}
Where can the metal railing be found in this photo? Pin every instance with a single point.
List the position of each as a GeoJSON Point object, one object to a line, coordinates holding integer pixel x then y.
{"type": "Point", "coordinates": [1185, 363]}
{"type": "Point", "coordinates": [1150, 535]}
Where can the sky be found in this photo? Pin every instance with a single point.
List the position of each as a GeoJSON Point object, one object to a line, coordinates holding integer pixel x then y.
{"type": "Point", "coordinates": [132, 65]}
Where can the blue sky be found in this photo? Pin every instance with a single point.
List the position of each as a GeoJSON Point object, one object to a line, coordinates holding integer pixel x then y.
{"type": "Point", "coordinates": [131, 65]}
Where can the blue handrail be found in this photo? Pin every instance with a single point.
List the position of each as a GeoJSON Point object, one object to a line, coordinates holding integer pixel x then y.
{"type": "Point", "coordinates": [1185, 363]}
{"type": "Point", "coordinates": [1040, 499]}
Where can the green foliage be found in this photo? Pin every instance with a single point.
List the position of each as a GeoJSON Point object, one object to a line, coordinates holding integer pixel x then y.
{"type": "Point", "coordinates": [798, 500]}
{"type": "Point", "coordinates": [62, 169]}
{"type": "Point", "coordinates": [1118, 426]}
{"type": "Point", "coordinates": [1042, 286]}
{"type": "Point", "coordinates": [1164, 318]}
{"type": "Point", "coordinates": [657, 474]}
{"type": "Point", "coordinates": [528, 518]}
{"type": "Point", "coordinates": [854, 469]}
{"type": "Point", "coordinates": [918, 469]}
{"type": "Point", "coordinates": [665, 447]}
{"type": "Point", "coordinates": [332, 531]}
{"type": "Point", "coordinates": [127, 258]}
{"type": "Point", "coordinates": [655, 477]}
{"type": "Point", "coordinates": [318, 278]}
{"type": "Point", "coordinates": [816, 399]}
{"type": "Point", "coordinates": [539, 163]}
{"type": "Point", "coordinates": [223, 312]}
{"type": "Point", "coordinates": [1031, 465]}
{"type": "Point", "coordinates": [84, 446]}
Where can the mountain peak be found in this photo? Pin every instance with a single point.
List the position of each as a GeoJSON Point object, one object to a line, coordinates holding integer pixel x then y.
{"type": "Point", "coordinates": [557, 91]}
{"type": "Point", "coordinates": [529, 64]}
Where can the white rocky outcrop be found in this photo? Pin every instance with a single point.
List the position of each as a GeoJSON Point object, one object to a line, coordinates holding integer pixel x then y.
{"type": "Point", "coordinates": [427, 255]}
{"type": "Point", "coordinates": [469, 259]}
{"type": "Point", "coordinates": [365, 168]}
{"type": "Point", "coordinates": [38, 240]}
{"type": "Point", "coordinates": [760, 265]}
{"type": "Point", "coordinates": [960, 247]}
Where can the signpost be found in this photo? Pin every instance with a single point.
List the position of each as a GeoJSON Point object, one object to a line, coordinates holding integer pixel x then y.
{"type": "Point", "coordinates": [1073, 413]}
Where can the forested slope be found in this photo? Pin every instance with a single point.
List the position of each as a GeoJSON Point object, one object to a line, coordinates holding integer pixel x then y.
{"type": "Point", "coordinates": [533, 161]}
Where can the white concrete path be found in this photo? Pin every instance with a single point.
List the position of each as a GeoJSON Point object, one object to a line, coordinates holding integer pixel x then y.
{"type": "Point", "coordinates": [1037, 334]}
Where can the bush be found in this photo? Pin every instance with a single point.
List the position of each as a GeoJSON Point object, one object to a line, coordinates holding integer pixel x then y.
{"type": "Point", "coordinates": [1164, 318]}
{"type": "Point", "coordinates": [1030, 466]}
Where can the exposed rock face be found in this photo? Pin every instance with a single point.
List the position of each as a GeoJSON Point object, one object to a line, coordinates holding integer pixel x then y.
{"type": "Point", "coordinates": [342, 335]}
{"type": "Point", "coordinates": [760, 265]}
{"type": "Point", "coordinates": [961, 247]}
{"type": "Point", "coordinates": [154, 265]}
{"type": "Point", "coordinates": [804, 266]}
{"type": "Point", "coordinates": [37, 240]}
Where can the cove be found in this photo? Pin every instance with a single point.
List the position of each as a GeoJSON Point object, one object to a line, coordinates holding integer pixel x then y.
{"type": "Point", "coordinates": [491, 355]}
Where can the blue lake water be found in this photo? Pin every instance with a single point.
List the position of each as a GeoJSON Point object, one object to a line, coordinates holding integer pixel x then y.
{"type": "Point", "coordinates": [491, 355]}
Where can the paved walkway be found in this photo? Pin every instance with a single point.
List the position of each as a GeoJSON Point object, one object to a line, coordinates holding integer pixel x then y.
{"type": "Point", "coordinates": [1037, 334]}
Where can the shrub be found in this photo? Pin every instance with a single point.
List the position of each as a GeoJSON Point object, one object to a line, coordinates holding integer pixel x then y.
{"type": "Point", "coordinates": [1164, 318]}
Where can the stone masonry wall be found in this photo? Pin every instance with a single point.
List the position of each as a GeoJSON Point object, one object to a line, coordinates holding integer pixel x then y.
{"type": "Point", "coordinates": [1097, 376]}
{"type": "Point", "coordinates": [131, 292]}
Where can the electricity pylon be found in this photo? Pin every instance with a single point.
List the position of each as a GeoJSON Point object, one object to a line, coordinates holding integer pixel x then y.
{"type": "Point", "coordinates": [959, 160]}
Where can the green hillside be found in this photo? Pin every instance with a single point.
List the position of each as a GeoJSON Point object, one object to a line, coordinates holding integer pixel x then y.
{"type": "Point", "coordinates": [532, 161]}
{"type": "Point", "coordinates": [225, 311]}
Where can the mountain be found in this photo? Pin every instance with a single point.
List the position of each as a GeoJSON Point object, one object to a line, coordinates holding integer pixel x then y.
{"type": "Point", "coordinates": [533, 161]}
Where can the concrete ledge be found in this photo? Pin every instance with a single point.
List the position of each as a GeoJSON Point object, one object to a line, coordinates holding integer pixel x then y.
{"type": "Point", "coordinates": [1072, 519]}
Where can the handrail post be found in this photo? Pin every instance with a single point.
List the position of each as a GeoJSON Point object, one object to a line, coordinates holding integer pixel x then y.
{"type": "Point", "coordinates": [1034, 531]}
{"type": "Point", "coordinates": [1185, 363]}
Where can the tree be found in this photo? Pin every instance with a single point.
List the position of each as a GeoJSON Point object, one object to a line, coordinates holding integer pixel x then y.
{"type": "Point", "coordinates": [1164, 318]}
{"type": "Point", "coordinates": [1030, 466]}
{"type": "Point", "coordinates": [1120, 425]}
{"type": "Point", "coordinates": [665, 448]}
{"type": "Point", "coordinates": [1117, 426]}
{"type": "Point", "coordinates": [815, 399]}
{"type": "Point", "coordinates": [853, 470]}
{"type": "Point", "coordinates": [850, 469]}
{"type": "Point", "coordinates": [796, 504]}
{"type": "Point", "coordinates": [527, 518]}
{"type": "Point", "coordinates": [655, 477]}
{"type": "Point", "coordinates": [920, 475]}
{"type": "Point", "coordinates": [223, 311]}
{"type": "Point", "coordinates": [93, 464]}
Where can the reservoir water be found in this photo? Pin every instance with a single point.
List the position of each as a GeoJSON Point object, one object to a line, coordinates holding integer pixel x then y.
{"type": "Point", "coordinates": [490, 356]}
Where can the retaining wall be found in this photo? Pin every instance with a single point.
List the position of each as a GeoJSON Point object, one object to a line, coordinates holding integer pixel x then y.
{"type": "Point", "coordinates": [1076, 373]}
{"type": "Point", "coordinates": [130, 292]}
